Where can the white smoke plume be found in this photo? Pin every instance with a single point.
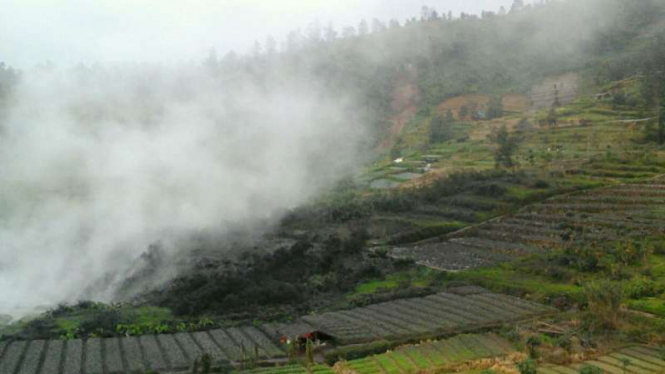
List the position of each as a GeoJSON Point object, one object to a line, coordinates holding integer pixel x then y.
{"type": "Point", "coordinates": [97, 164]}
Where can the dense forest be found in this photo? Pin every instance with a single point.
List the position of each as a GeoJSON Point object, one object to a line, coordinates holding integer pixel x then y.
{"type": "Point", "coordinates": [443, 55]}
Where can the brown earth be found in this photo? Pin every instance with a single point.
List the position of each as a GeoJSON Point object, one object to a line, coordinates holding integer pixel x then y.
{"type": "Point", "coordinates": [511, 103]}
{"type": "Point", "coordinates": [565, 86]}
{"type": "Point", "coordinates": [403, 106]}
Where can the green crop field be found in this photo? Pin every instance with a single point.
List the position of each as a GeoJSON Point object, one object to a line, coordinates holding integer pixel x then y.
{"type": "Point", "coordinates": [630, 360]}
{"type": "Point", "coordinates": [435, 355]}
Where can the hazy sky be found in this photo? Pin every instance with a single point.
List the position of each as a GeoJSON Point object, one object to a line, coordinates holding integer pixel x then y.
{"type": "Point", "coordinates": [66, 32]}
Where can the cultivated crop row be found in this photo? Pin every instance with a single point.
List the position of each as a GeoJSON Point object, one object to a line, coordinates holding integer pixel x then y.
{"type": "Point", "coordinates": [427, 316]}
{"type": "Point", "coordinates": [290, 369]}
{"type": "Point", "coordinates": [430, 356]}
{"type": "Point", "coordinates": [603, 215]}
{"type": "Point", "coordinates": [135, 354]}
{"type": "Point", "coordinates": [631, 360]}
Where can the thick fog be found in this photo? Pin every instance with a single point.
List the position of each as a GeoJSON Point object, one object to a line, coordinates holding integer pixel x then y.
{"type": "Point", "coordinates": [67, 32]}
{"type": "Point", "coordinates": [102, 160]}
{"type": "Point", "coordinates": [97, 164]}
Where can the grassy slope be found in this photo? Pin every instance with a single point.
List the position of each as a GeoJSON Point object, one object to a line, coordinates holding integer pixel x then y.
{"type": "Point", "coordinates": [605, 150]}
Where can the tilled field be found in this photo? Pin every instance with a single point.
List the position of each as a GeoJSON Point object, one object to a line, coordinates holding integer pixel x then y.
{"type": "Point", "coordinates": [631, 360]}
{"type": "Point", "coordinates": [461, 309]}
{"type": "Point", "coordinates": [162, 353]}
{"type": "Point", "coordinates": [290, 369]}
{"type": "Point", "coordinates": [407, 359]}
{"type": "Point", "coordinates": [458, 310]}
{"type": "Point", "coordinates": [619, 212]}
{"type": "Point", "coordinates": [430, 355]}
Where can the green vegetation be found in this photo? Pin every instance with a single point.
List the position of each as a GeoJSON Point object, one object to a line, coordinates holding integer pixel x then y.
{"type": "Point", "coordinates": [449, 179]}
{"type": "Point", "coordinates": [528, 366]}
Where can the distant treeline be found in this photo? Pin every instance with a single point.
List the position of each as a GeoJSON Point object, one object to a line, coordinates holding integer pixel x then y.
{"type": "Point", "coordinates": [444, 55]}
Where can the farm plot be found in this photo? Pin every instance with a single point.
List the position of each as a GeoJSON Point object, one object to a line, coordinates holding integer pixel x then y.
{"type": "Point", "coordinates": [430, 355]}
{"type": "Point", "coordinates": [289, 369]}
{"type": "Point", "coordinates": [163, 353]}
{"type": "Point", "coordinates": [431, 316]}
{"type": "Point", "coordinates": [631, 360]}
{"type": "Point", "coordinates": [607, 214]}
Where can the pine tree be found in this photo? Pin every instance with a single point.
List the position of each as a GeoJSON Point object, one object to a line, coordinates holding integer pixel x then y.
{"type": "Point", "coordinates": [506, 147]}
{"type": "Point", "coordinates": [363, 28]}
{"type": "Point", "coordinates": [517, 6]}
{"type": "Point", "coordinates": [329, 33]}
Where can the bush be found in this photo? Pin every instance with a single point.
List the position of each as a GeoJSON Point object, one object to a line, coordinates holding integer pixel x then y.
{"type": "Point", "coordinates": [604, 301]}
{"type": "Point", "coordinates": [589, 369]}
{"type": "Point", "coordinates": [102, 324]}
{"type": "Point", "coordinates": [356, 352]}
{"type": "Point", "coordinates": [532, 343]}
{"type": "Point", "coordinates": [632, 252]}
{"type": "Point", "coordinates": [541, 184]}
{"type": "Point", "coordinates": [491, 190]}
{"type": "Point", "coordinates": [659, 247]}
{"type": "Point", "coordinates": [640, 288]}
{"type": "Point", "coordinates": [565, 342]}
{"type": "Point", "coordinates": [527, 366]}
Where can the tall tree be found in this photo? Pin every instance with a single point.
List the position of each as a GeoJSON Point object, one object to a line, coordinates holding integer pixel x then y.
{"type": "Point", "coordinates": [313, 33]}
{"type": "Point", "coordinates": [294, 40]}
{"type": "Point", "coordinates": [363, 28]}
{"type": "Point", "coordinates": [256, 49]}
{"type": "Point", "coordinates": [495, 108]}
{"type": "Point", "coordinates": [378, 26]}
{"type": "Point", "coordinates": [517, 6]}
{"type": "Point", "coordinates": [329, 34]}
{"type": "Point", "coordinates": [653, 86]}
{"type": "Point", "coordinates": [441, 129]}
{"type": "Point", "coordinates": [271, 45]}
{"type": "Point", "coordinates": [425, 13]}
{"type": "Point", "coordinates": [506, 146]}
{"type": "Point", "coordinates": [211, 63]}
{"type": "Point", "coordinates": [348, 32]}
{"type": "Point", "coordinates": [394, 24]}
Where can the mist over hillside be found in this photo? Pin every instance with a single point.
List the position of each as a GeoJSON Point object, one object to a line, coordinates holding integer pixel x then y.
{"type": "Point", "coordinates": [99, 162]}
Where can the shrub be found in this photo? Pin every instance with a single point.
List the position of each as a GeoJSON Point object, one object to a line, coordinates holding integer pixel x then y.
{"type": "Point", "coordinates": [527, 366]}
{"type": "Point", "coordinates": [491, 190]}
{"type": "Point", "coordinates": [565, 342]}
{"type": "Point", "coordinates": [203, 364]}
{"type": "Point", "coordinates": [356, 352]}
{"type": "Point", "coordinates": [532, 343]}
{"type": "Point", "coordinates": [632, 252]}
{"type": "Point", "coordinates": [589, 369]}
{"type": "Point", "coordinates": [541, 184]}
{"type": "Point", "coordinates": [102, 323]}
{"type": "Point", "coordinates": [659, 247]}
{"type": "Point", "coordinates": [640, 288]}
{"type": "Point", "coordinates": [604, 302]}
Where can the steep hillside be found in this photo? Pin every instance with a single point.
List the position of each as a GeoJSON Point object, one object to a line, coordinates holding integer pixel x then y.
{"type": "Point", "coordinates": [519, 152]}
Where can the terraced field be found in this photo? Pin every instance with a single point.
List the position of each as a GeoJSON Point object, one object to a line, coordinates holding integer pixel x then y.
{"type": "Point", "coordinates": [163, 353]}
{"type": "Point", "coordinates": [606, 214]}
{"type": "Point", "coordinates": [430, 355]}
{"type": "Point", "coordinates": [564, 88]}
{"type": "Point", "coordinates": [631, 360]}
{"type": "Point", "coordinates": [290, 369]}
{"type": "Point", "coordinates": [460, 309]}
